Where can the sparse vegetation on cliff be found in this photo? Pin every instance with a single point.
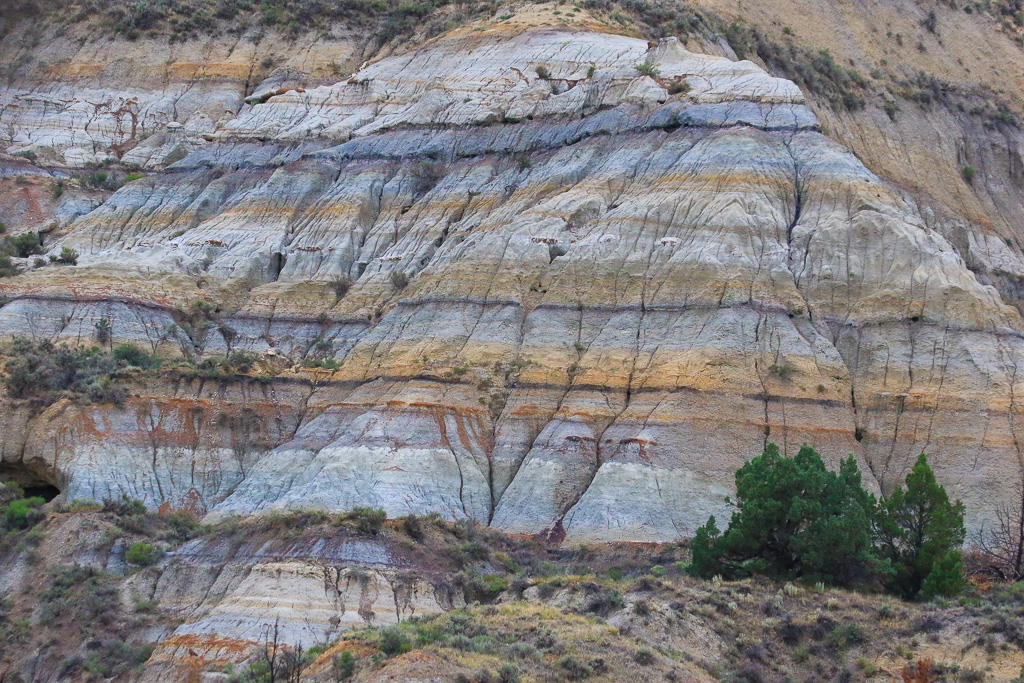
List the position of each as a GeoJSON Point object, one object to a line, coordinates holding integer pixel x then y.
{"type": "Point", "coordinates": [142, 554]}
{"type": "Point", "coordinates": [7, 267]}
{"type": "Point", "coordinates": [647, 68]}
{"type": "Point", "coordinates": [22, 246]}
{"type": "Point", "coordinates": [235, 364]}
{"type": "Point", "coordinates": [679, 87]}
{"type": "Point", "coordinates": [815, 72]}
{"type": "Point", "coordinates": [67, 257]}
{"type": "Point", "coordinates": [43, 371]}
{"type": "Point", "coordinates": [84, 600]}
{"type": "Point", "coordinates": [368, 520]}
{"type": "Point", "coordinates": [17, 511]}
{"type": "Point", "coordinates": [188, 19]}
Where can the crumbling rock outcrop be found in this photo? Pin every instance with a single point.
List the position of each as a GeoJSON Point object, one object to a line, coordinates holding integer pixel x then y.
{"type": "Point", "coordinates": [222, 591]}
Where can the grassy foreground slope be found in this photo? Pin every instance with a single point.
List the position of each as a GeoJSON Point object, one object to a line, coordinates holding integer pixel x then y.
{"type": "Point", "coordinates": [533, 612]}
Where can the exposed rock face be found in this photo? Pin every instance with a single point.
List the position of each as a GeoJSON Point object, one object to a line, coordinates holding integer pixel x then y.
{"type": "Point", "coordinates": [223, 591]}
{"type": "Point", "coordinates": [570, 305]}
{"type": "Point", "coordinates": [219, 596]}
{"type": "Point", "coordinates": [186, 451]}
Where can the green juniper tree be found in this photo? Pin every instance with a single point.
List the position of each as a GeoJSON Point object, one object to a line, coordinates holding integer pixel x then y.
{"type": "Point", "coordinates": [794, 519]}
{"type": "Point", "coordinates": [837, 547]}
{"type": "Point", "coordinates": [705, 551]}
{"type": "Point", "coordinates": [920, 532]}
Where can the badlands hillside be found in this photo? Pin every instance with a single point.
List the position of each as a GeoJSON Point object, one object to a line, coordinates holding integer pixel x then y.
{"type": "Point", "coordinates": [549, 270]}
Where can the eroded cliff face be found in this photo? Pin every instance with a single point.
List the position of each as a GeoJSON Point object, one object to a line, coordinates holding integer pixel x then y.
{"type": "Point", "coordinates": [210, 601]}
{"type": "Point", "coordinates": [568, 297]}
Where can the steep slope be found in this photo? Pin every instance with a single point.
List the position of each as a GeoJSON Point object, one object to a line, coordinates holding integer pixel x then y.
{"type": "Point", "coordinates": [573, 279]}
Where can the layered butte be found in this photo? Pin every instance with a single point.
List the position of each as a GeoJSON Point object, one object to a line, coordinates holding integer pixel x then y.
{"type": "Point", "coordinates": [573, 281]}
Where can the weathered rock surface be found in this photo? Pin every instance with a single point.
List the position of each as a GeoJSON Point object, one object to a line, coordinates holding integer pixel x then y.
{"type": "Point", "coordinates": [219, 596]}
{"type": "Point", "coordinates": [199, 441]}
{"type": "Point", "coordinates": [228, 593]}
{"type": "Point", "coordinates": [570, 305]}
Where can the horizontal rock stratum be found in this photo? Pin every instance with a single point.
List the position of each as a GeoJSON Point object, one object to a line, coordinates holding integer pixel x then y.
{"type": "Point", "coordinates": [574, 280]}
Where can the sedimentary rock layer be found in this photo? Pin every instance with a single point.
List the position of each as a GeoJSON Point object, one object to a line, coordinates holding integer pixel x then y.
{"type": "Point", "coordinates": [574, 281]}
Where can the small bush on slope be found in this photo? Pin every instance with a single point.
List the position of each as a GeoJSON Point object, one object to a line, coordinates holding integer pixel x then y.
{"type": "Point", "coordinates": [142, 554]}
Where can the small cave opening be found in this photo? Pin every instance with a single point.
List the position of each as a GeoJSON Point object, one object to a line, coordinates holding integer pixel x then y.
{"type": "Point", "coordinates": [34, 481]}
{"type": "Point", "coordinates": [277, 262]}
{"type": "Point", "coordinates": [46, 491]}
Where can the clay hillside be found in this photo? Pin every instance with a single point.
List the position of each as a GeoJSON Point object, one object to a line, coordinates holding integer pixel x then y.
{"type": "Point", "coordinates": [419, 340]}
